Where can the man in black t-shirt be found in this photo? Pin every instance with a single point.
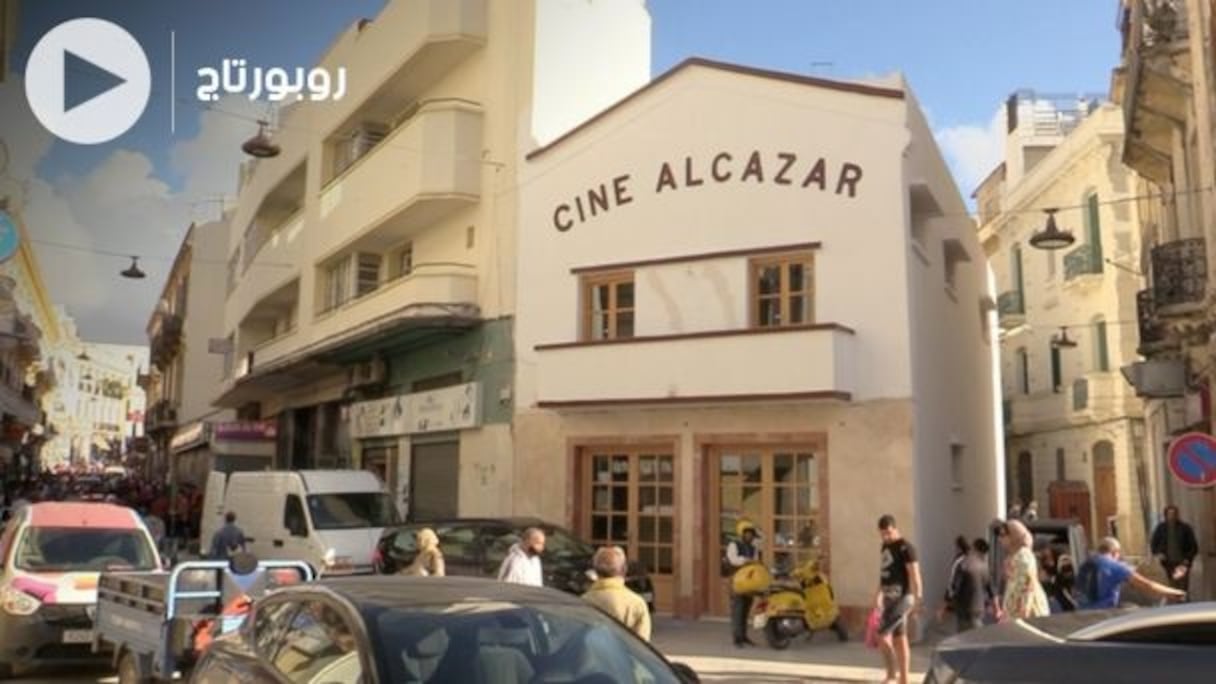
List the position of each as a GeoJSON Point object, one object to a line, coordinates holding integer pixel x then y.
{"type": "Point", "coordinates": [899, 593]}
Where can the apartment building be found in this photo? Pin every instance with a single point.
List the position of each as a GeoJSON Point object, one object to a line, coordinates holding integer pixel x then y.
{"type": "Point", "coordinates": [370, 288]}
{"type": "Point", "coordinates": [1165, 84]}
{"type": "Point", "coordinates": [1074, 428]}
{"type": "Point", "coordinates": [752, 294]}
{"type": "Point", "coordinates": [188, 359]}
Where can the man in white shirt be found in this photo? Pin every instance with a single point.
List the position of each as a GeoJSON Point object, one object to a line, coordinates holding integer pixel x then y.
{"type": "Point", "coordinates": [522, 564]}
{"type": "Point", "coordinates": [740, 552]}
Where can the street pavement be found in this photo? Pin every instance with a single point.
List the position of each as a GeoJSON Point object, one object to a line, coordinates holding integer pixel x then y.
{"type": "Point", "coordinates": [705, 645]}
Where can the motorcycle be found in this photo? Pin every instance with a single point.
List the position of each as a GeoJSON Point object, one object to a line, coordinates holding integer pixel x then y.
{"type": "Point", "coordinates": [799, 602]}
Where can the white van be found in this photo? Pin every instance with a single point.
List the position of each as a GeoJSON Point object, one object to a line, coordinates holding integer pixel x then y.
{"type": "Point", "coordinates": [331, 519]}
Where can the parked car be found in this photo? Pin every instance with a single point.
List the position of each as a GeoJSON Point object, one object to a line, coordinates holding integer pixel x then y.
{"type": "Point", "coordinates": [331, 519]}
{"type": "Point", "coordinates": [53, 554]}
{"type": "Point", "coordinates": [1174, 643]}
{"type": "Point", "coordinates": [476, 547]}
{"type": "Point", "coordinates": [425, 629]}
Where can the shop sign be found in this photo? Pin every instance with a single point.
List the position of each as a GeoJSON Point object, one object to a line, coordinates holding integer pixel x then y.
{"type": "Point", "coordinates": [246, 431]}
{"type": "Point", "coordinates": [188, 437]}
{"type": "Point", "coordinates": [450, 408]}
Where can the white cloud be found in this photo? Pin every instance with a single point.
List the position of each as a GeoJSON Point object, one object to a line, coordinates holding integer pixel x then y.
{"type": "Point", "coordinates": [973, 150]}
{"type": "Point", "coordinates": [119, 206]}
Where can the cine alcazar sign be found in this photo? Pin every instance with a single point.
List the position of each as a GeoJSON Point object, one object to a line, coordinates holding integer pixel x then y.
{"type": "Point", "coordinates": [800, 172]}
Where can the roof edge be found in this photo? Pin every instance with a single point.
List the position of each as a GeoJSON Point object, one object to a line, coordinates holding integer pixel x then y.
{"type": "Point", "coordinates": [788, 77]}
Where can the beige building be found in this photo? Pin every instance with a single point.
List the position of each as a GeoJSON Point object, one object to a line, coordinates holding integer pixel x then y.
{"type": "Point", "coordinates": [371, 263]}
{"type": "Point", "coordinates": [750, 294]}
{"type": "Point", "coordinates": [189, 360]}
{"type": "Point", "coordinates": [1074, 428]}
{"type": "Point", "coordinates": [1166, 86]}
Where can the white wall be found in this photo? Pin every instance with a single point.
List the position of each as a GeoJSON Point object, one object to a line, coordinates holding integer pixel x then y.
{"type": "Point", "coordinates": [696, 114]}
{"type": "Point", "coordinates": [203, 374]}
{"type": "Point", "coordinates": [588, 54]}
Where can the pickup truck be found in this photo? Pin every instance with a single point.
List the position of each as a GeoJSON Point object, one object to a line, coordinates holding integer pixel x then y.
{"type": "Point", "coordinates": [151, 621]}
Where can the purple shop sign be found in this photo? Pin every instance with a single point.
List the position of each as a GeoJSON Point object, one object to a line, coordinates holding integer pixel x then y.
{"type": "Point", "coordinates": [245, 431]}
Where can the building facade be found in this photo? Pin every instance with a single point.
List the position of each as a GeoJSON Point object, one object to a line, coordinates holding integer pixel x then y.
{"type": "Point", "coordinates": [1074, 427]}
{"type": "Point", "coordinates": [748, 294]}
{"type": "Point", "coordinates": [188, 359]}
{"type": "Point", "coordinates": [371, 264]}
{"type": "Point", "coordinates": [1165, 85]}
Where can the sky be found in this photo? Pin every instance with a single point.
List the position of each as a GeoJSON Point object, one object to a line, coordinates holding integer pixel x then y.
{"type": "Point", "coordinates": [86, 206]}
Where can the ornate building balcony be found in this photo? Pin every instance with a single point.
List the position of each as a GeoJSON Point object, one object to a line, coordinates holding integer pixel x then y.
{"type": "Point", "coordinates": [1180, 277]}
{"type": "Point", "coordinates": [1085, 260]}
{"type": "Point", "coordinates": [1011, 309]}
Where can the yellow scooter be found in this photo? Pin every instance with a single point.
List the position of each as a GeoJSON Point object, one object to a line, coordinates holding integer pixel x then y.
{"type": "Point", "coordinates": [803, 604]}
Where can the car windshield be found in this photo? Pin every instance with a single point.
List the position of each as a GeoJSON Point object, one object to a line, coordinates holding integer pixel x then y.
{"type": "Point", "coordinates": [563, 544]}
{"type": "Point", "coordinates": [351, 510]}
{"type": "Point", "coordinates": [74, 549]}
{"type": "Point", "coordinates": [508, 643]}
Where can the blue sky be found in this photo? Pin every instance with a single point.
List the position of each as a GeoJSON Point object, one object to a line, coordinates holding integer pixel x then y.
{"type": "Point", "coordinates": [962, 57]}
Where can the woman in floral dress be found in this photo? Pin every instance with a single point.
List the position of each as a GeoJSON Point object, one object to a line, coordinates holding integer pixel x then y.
{"type": "Point", "coordinates": [1024, 595]}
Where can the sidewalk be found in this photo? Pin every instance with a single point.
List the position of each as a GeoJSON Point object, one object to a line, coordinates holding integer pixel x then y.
{"type": "Point", "coordinates": [705, 646]}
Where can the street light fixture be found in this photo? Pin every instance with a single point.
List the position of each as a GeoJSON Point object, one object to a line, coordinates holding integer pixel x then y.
{"type": "Point", "coordinates": [133, 271]}
{"type": "Point", "coordinates": [1061, 341]}
{"type": "Point", "coordinates": [260, 145]}
{"type": "Point", "coordinates": [1051, 237]}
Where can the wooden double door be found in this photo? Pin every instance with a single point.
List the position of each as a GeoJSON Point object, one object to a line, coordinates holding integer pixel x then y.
{"type": "Point", "coordinates": [780, 489]}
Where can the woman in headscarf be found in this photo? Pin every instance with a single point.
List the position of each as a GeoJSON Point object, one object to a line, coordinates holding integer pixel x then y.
{"type": "Point", "coordinates": [429, 561]}
{"type": "Point", "coordinates": [1024, 595]}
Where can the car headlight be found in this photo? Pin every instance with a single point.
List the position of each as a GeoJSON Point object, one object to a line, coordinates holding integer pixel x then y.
{"type": "Point", "coordinates": [17, 602]}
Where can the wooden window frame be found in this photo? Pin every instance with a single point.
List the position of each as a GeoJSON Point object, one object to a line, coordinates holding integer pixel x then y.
{"type": "Point", "coordinates": [784, 294]}
{"type": "Point", "coordinates": [588, 285]}
{"type": "Point", "coordinates": [633, 484]}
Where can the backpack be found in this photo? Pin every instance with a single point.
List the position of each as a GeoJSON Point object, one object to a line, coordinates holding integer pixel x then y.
{"type": "Point", "coordinates": [1087, 583]}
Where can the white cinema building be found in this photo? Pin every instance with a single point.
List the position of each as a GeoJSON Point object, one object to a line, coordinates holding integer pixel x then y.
{"type": "Point", "coordinates": [744, 293]}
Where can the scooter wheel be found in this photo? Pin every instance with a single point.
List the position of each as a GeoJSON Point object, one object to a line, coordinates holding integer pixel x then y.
{"type": "Point", "coordinates": [776, 638]}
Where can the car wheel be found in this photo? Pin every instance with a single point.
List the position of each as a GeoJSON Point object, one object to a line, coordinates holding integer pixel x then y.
{"type": "Point", "coordinates": [128, 670]}
{"type": "Point", "coordinates": [774, 636]}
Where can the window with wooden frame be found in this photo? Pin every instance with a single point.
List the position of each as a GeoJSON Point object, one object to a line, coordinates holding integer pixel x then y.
{"type": "Point", "coordinates": [608, 307]}
{"type": "Point", "coordinates": [782, 290]}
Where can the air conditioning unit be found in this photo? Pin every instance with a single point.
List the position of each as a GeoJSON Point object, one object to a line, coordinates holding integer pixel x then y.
{"type": "Point", "coordinates": [372, 372]}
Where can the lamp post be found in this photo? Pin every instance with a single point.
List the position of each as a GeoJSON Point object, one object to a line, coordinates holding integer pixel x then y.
{"type": "Point", "coordinates": [1051, 237]}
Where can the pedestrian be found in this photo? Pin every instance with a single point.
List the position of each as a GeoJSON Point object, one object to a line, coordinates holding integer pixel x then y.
{"type": "Point", "coordinates": [740, 552]}
{"type": "Point", "coordinates": [1175, 548]}
{"type": "Point", "coordinates": [970, 592]}
{"type": "Point", "coordinates": [1015, 510]}
{"type": "Point", "coordinates": [228, 540]}
{"type": "Point", "coordinates": [1024, 595]}
{"type": "Point", "coordinates": [1058, 578]}
{"type": "Point", "coordinates": [1101, 578]}
{"type": "Point", "coordinates": [899, 594]}
{"type": "Point", "coordinates": [429, 560]}
{"type": "Point", "coordinates": [522, 564]}
{"type": "Point", "coordinates": [609, 593]}
{"type": "Point", "coordinates": [1031, 513]}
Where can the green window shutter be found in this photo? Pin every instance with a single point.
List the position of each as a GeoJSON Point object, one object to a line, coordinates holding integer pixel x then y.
{"type": "Point", "coordinates": [1102, 353]}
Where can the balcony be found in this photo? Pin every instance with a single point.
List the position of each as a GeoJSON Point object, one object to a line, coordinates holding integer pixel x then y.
{"type": "Point", "coordinates": [1011, 309]}
{"type": "Point", "coordinates": [1082, 261]}
{"type": "Point", "coordinates": [1154, 336]}
{"type": "Point", "coordinates": [161, 417]}
{"type": "Point", "coordinates": [590, 373]}
{"type": "Point", "coordinates": [1153, 83]}
{"type": "Point", "coordinates": [1180, 277]}
{"type": "Point", "coordinates": [423, 171]}
{"type": "Point", "coordinates": [1094, 397]}
{"type": "Point", "coordinates": [429, 293]}
{"type": "Point", "coordinates": [166, 339]}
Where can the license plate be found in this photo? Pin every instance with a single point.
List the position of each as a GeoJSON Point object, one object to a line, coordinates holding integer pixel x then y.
{"type": "Point", "coordinates": [77, 636]}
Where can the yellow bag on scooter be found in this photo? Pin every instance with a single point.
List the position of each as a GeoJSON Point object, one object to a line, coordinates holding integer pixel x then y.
{"type": "Point", "coordinates": [821, 608]}
{"type": "Point", "coordinates": [752, 578]}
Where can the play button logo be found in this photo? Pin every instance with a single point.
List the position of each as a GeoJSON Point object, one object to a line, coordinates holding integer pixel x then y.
{"type": "Point", "coordinates": [88, 81]}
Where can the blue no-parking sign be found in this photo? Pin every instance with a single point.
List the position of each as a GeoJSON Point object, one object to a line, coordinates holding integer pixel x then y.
{"type": "Point", "coordinates": [1192, 459]}
{"type": "Point", "coordinates": [9, 240]}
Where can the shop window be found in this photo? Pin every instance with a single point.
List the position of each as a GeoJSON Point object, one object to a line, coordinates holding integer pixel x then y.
{"type": "Point", "coordinates": [782, 291]}
{"type": "Point", "coordinates": [608, 303]}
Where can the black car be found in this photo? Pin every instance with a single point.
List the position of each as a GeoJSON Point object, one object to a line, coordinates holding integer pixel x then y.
{"type": "Point", "coordinates": [476, 547]}
{"type": "Point", "coordinates": [1175, 644]}
{"type": "Point", "coordinates": [428, 629]}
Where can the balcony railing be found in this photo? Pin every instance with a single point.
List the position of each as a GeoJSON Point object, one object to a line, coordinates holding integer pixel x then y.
{"type": "Point", "coordinates": [1011, 308]}
{"type": "Point", "coordinates": [1180, 274]}
{"type": "Point", "coordinates": [1084, 260]}
{"type": "Point", "coordinates": [1151, 330]}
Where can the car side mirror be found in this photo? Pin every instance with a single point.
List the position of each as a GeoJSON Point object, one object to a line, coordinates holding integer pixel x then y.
{"type": "Point", "coordinates": [685, 673]}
